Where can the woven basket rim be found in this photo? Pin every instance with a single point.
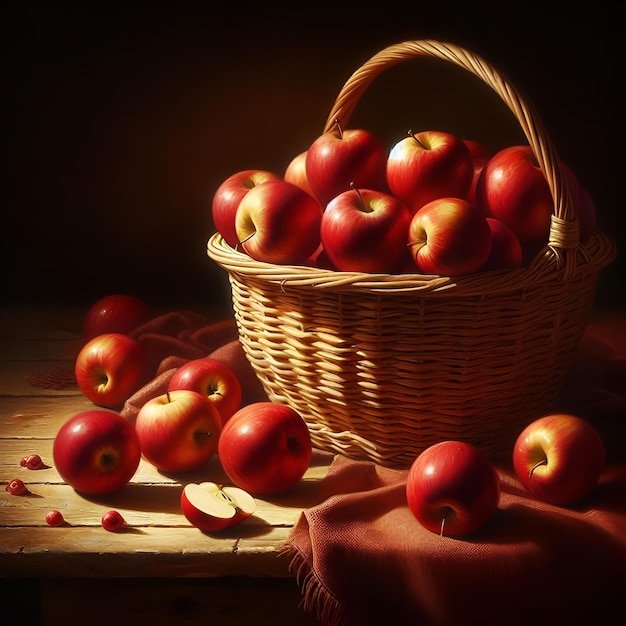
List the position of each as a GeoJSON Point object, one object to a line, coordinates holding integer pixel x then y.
{"type": "Point", "coordinates": [593, 256]}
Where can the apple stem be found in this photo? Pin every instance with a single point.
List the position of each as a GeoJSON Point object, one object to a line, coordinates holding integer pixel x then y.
{"type": "Point", "coordinates": [443, 523]}
{"type": "Point", "coordinates": [535, 466]}
{"type": "Point", "coordinates": [338, 124]}
{"type": "Point", "coordinates": [358, 193]}
{"type": "Point", "coordinates": [412, 134]}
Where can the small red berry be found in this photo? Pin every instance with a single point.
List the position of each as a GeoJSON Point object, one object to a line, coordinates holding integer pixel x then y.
{"type": "Point", "coordinates": [112, 520]}
{"type": "Point", "coordinates": [16, 487]}
{"type": "Point", "coordinates": [54, 518]}
{"type": "Point", "coordinates": [32, 461]}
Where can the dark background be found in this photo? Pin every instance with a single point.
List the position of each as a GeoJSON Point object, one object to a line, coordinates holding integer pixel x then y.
{"type": "Point", "coordinates": [120, 121]}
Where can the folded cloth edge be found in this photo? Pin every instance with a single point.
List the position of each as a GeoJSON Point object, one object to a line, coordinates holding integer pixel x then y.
{"type": "Point", "coordinates": [317, 599]}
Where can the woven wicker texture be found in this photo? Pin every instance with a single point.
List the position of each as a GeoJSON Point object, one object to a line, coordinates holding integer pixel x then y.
{"type": "Point", "coordinates": [382, 366]}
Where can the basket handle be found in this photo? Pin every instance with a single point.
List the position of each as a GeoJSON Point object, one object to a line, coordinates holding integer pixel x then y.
{"type": "Point", "coordinates": [564, 233]}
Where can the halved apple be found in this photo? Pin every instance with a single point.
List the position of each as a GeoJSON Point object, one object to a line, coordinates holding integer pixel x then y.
{"type": "Point", "coordinates": [209, 506]}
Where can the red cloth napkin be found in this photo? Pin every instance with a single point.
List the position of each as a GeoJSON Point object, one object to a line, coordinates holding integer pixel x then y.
{"type": "Point", "coordinates": [362, 559]}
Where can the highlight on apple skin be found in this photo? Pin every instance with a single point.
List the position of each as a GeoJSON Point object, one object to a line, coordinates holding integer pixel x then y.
{"type": "Point", "coordinates": [96, 452]}
{"type": "Point", "coordinates": [452, 488]}
{"type": "Point", "coordinates": [265, 448]}
{"type": "Point", "coordinates": [559, 458]}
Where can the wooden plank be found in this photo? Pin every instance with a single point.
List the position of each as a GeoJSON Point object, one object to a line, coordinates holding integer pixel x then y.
{"type": "Point", "coordinates": [38, 417]}
{"type": "Point", "coordinates": [141, 505]}
{"type": "Point", "coordinates": [13, 450]}
{"type": "Point", "coordinates": [246, 550]}
{"type": "Point", "coordinates": [14, 374]}
{"type": "Point", "coordinates": [157, 541]}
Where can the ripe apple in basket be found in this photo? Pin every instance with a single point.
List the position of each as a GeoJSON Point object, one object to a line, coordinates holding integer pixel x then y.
{"type": "Point", "coordinates": [452, 488]}
{"type": "Point", "coordinates": [96, 452]}
{"type": "Point", "coordinates": [227, 197]}
{"type": "Point", "coordinates": [295, 172]}
{"type": "Point", "coordinates": [480, 155]}
{"type": "Point", "coordinates": [213, 379]}
{"type": "Point", "coordinates": [365, 231]}
{"type": "Point", "coordinates": [506, 250]}
{"type": "Point", "coordinates": [211, 507]}
{"type": "Point", "coordinates": [478, 150]}
{"type": "Point", "coordinates": [278, 222]}
{"type": "Point", "coordinates": [110, 368]}
{"type": "Point", "coordinates": [115, 313]}
{"type": "Point", "coordinates": [512, 188]}
{"type": "Point", "coordinates": [429, 165]}
{"type": "Point", "coordinates": [178, 430]}
{"type": "Point", "coordinates": [265, 448]}
{"type": "Point", "coordinates": [559, 458]}
{"type": "Point", "coordinates": [340, 157]}
{"type": "Point", "coordinates": [449, 236]}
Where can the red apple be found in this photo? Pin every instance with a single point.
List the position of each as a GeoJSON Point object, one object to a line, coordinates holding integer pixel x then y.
{"type": "Point", "coordinates": [341, 157]}
{"type": "Point", "coordinates": [228, 196]}
{"type": "Point", "coordinates": [96, 452]}
{"type": "Point", "coordinates": [479, 165]}
{"type": "Point", "coordinates": [213, 379]}
{"type": "Point", "coordinates": [512, 188]}
{"type": "Point", "coordinates": [477, 149]}
{"type": "Point", "coordinates": [365, 231]}
{"type": "Point", "coordinates": [506, 250]}
{"type": "Point", "coordinates": [320, 259]}
{"type": "Point", "coordinates": [452, 488]}
{"type": "Point", "coordinates": [429, 165]}
{"type": "Point", "coordinates": [178, 430]}
{"type": "Point", "coordinates": [110, 368]}
{"type": "Point", "coordinates": [234, 356]}
{"type": "Point", "coordinates": [265, 448]}
{"type": "Point", "coordinates": [449, 236]}
{"type": "Point", "coordinates": [295, 172]}
{"type": "Point", "coordinates": [211, 507]}
{"type": "Point", "coordinates": [559, 458]}
{"type": "Point", "coordinates": [278, 222]}
{"type": "Point", "coordinates": [115, 313]}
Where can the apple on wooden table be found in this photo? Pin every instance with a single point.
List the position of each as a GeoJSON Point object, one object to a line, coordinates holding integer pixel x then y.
{"type": "Point", "coordinates": [178, 430]}
{"type": "Point", "coordinates": [213, 379]}
{"type": "Point", "coordinates": [96, 452]}
{"type": "Point", "coordinates": [265, 448]}
{"type": "Point", "coordinates": [111, 367]}
{"type": "Point", "coordinates": [211, 507]}
{"type": "Point", "coordinates": [115, 313]}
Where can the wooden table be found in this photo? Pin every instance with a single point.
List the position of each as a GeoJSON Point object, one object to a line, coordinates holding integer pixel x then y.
{"type": "Point", "coordinates": [158, 569]}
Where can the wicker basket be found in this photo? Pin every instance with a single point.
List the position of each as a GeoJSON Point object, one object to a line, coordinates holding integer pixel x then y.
{"type": "Point", "coordinates": [382, 366]}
